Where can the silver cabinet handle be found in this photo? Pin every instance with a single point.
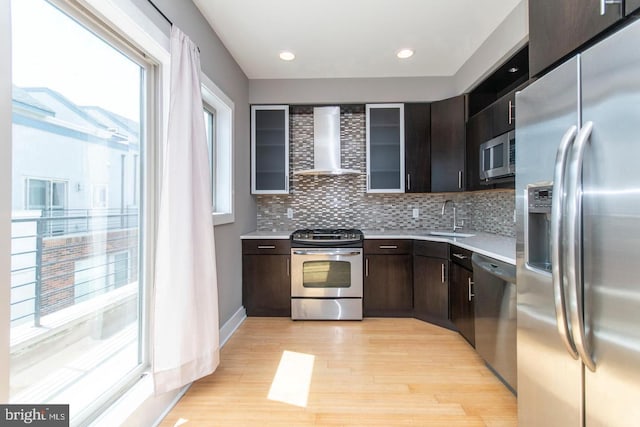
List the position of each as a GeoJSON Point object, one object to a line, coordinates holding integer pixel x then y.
{"type": "Point", "coordinates": [266, 247]}
{"type": "Point", "coordinates": [574, 249]}
{"type": "Point", "coordinates": [557, 230]}
{"type": "Point", "coordinates": [442, 274]}
{"type": "Point", "coordinates": [604, 3]}
{"type": "Point", "coordinates": [288, 267]}
{"type": "Point", "coordinates": [408, 181]}
{"type": "Point", "coordinates": [471, 295]}
{"type": "Point", "coordinates": [510, 115]}
{"type": "Point", "coordinates": [388, 246]}
{"type": "Point", "coordinates": [366, 267]}
{"type": "Point", "coordinates": [460, 179]}
{"type": "Point", "coordinates": [335, 252]}
{"type": "Point", "coordinates": [460, 256]}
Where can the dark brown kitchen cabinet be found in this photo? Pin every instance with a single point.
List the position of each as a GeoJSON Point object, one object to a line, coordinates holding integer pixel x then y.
{"type": "Point", "coordinates": [417, 147]}
{"type": "Point", "coordinates": [631, 6]}
{"type": "Point", "coordinates": [479, 130]}
{"type": "Point", "coordinates": [431, 282]}
{"type": "Point", "coordinates": [503, 114]}
{"type": "Point", "coordinates": [461, 293]}
{"type": "Point", "coordinates": [559, 27]}
{"type": "Point", "coordinates": [388, 285]}
{"type": "Point", "coordinates": [448, 134]}
{"type": "Point", "coordinates": [266, 283]}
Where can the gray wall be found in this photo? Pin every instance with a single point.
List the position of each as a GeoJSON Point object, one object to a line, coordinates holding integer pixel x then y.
{"type": "Point", "coordinates": [345, 91]}
{"type": "Point", "coordinates": [503, 42]}
{"type": "Point", "coordinates": [218, 64]}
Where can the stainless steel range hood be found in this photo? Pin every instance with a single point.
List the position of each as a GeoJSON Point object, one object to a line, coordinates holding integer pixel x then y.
{"type": "Point", "coordinates": [326, 144]}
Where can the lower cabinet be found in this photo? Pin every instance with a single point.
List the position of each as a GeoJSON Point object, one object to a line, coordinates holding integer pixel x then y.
{"type": "Point", "coordinates": [266, 282]}
{"type": "Point", "coordinates": [431, 282]}
{"type": "Point", "coordinates": [388, 284]}
{"type": "Point", "coordinates": [461, 294]}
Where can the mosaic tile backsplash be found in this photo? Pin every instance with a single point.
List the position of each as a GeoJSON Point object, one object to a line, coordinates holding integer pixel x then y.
{"type": "Point", "coordinates": [342, 200]}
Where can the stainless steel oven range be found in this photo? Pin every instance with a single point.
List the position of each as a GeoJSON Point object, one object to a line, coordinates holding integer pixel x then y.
{"type": "Point", "coordinates": [326, 274]}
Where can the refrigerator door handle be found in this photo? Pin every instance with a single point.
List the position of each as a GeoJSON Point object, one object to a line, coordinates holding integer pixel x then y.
{"type": "Point", "coordinates": [557, 270]}
{"type": "Point", "coordinates": [574, 252]}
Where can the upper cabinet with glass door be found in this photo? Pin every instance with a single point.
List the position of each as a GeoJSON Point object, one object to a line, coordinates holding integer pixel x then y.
{"type": "Point", "coordinates": [269, 149]}
{"type": "Point", "coordinates": [385, 148]}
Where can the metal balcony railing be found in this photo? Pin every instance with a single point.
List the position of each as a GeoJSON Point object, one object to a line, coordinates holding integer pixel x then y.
{"type": "Point", "coordinates": [66, 257]}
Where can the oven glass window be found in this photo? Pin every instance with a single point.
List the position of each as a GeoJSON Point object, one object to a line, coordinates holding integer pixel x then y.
{"type": "Point", "coordinates": [326, 274]}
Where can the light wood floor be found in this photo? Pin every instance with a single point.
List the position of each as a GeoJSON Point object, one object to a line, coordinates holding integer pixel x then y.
{"type": "Point", "coordinates": [378, 372]}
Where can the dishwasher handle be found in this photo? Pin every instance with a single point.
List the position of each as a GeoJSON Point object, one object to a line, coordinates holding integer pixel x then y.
{"type": "Point", "coordinates": [503, 270]}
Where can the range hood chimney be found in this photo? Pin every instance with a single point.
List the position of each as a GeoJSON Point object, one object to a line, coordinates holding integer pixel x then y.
{"type": "Point", "coordinates": [326, 144]}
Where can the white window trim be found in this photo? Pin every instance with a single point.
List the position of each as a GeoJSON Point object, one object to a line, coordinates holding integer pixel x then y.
{"type": "Point", "coordinates": [225, 108]}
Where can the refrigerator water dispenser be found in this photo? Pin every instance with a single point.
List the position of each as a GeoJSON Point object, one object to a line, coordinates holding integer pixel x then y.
{"type": "Point", "coordinates": [538, 233]}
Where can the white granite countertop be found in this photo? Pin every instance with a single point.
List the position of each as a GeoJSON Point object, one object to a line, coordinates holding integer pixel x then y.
{"type": "Point", "coordinates": [492, 245]}
{"type": "Point", "coordinates": [282, 234]}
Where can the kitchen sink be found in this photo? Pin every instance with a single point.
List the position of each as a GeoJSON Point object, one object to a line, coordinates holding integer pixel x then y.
{"type": "Point", "coordinates": [449, 234]}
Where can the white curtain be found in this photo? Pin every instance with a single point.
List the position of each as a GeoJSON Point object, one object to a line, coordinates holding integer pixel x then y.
{"type": "Point", "coordinates": [185, 321]}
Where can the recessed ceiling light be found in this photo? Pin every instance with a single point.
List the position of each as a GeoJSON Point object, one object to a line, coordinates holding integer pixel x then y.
{"type": "Point", "coordinates": [513, 69]}
{"type": "Point", "coordinates": [405, 53]}
{"type": "Point", "coordinates": [287, 56]}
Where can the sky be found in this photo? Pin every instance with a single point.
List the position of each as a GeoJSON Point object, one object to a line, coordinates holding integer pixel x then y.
{"type": "Point", "coordinates": [52, 50]}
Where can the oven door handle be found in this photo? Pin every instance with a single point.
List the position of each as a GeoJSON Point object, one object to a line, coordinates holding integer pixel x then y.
{"type": "Point", "coordinates": [328, 253]}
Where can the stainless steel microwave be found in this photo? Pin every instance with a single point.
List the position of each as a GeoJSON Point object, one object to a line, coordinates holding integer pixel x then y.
{"type": "Point", "coordinates": [498, 157]}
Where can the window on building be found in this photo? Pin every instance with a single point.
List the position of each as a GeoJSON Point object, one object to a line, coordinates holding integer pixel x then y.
{"type": "Point", "coordinates": [99, 193]}
{"type": "Point", "coordinates": [218, 117]}
{"type": "Point", "coordinates": [45, 194]}
{"type": "Point", "coordinates": [77, 289]}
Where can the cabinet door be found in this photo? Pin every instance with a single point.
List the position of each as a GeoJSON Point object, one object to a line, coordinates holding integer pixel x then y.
{"type": "Point", "coordinates": [431, 289]}
{"type": "Point", "coordinates": [385, 148]}
{"type": "Point", "coordinates": [417, 146]}
{"type": "Point", "coordinates": [559, 27]}
{"type": "Point", "coordinates": [269, 149]}
{"type": "Point", "coordinates": [479, 130]}
{"type": "Point", "coordinates": [388, 289]}
{"type": "Point", "coordinates": [503, 114]}
{"type": "Point", "coordinates": [630, 6]}
{"type": "Point", "coordinates": [266, 285]}
{"type": "Point", "coordinates": [462, 308]}
{"type": "Point", "coordinates": [448, 134]}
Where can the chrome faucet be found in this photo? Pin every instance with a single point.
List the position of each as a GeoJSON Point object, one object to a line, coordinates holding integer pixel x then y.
{"type": "Point", "coordinates": [455, 221]}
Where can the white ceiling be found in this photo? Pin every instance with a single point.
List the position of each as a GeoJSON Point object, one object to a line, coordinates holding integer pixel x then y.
{"type": "Point", "coordinates": [353, 38]}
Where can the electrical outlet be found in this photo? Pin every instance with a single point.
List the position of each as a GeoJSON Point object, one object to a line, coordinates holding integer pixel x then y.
{"type": "Point", "coordinates": [289, 213]}
{"type": "Point", "coordinates": [416, 213]}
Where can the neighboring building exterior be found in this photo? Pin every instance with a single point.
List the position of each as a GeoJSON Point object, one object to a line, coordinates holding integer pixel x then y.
{"type": "Point", "coordinates": [75, 202]}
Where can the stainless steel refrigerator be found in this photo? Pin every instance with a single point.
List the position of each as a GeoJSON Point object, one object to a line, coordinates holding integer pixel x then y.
{"type": "Point", "coordinates": [578, 239]}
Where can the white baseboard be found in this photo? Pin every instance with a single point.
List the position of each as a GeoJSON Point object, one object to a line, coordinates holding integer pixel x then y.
{"type": "Point", "coordinates": [231, 325]}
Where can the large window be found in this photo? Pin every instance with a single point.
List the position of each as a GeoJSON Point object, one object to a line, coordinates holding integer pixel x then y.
{"type": "Point", "coordinates": [218, 118]}
{"type": "Point", "coordinates": [78, 258]}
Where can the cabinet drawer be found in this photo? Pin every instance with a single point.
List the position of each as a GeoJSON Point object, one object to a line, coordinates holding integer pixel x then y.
{"type": "Point", "coordinates": [431, 249]}
{"type": "Point", "coordinates": [461, 256]}
{"type": "Point", "coordinates": [388, 247]}
{"type": "Point", "coordinates": [266, 246]}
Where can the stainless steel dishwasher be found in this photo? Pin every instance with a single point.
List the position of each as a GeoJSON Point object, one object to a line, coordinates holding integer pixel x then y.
{"type": "Point", "coordinates": [495, 316]}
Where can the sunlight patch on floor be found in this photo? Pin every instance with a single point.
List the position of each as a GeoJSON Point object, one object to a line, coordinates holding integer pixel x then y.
{"type": "Point", "coordinates": [180, 422]}
{"type": "Point", "coordinates": [293, 379]}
